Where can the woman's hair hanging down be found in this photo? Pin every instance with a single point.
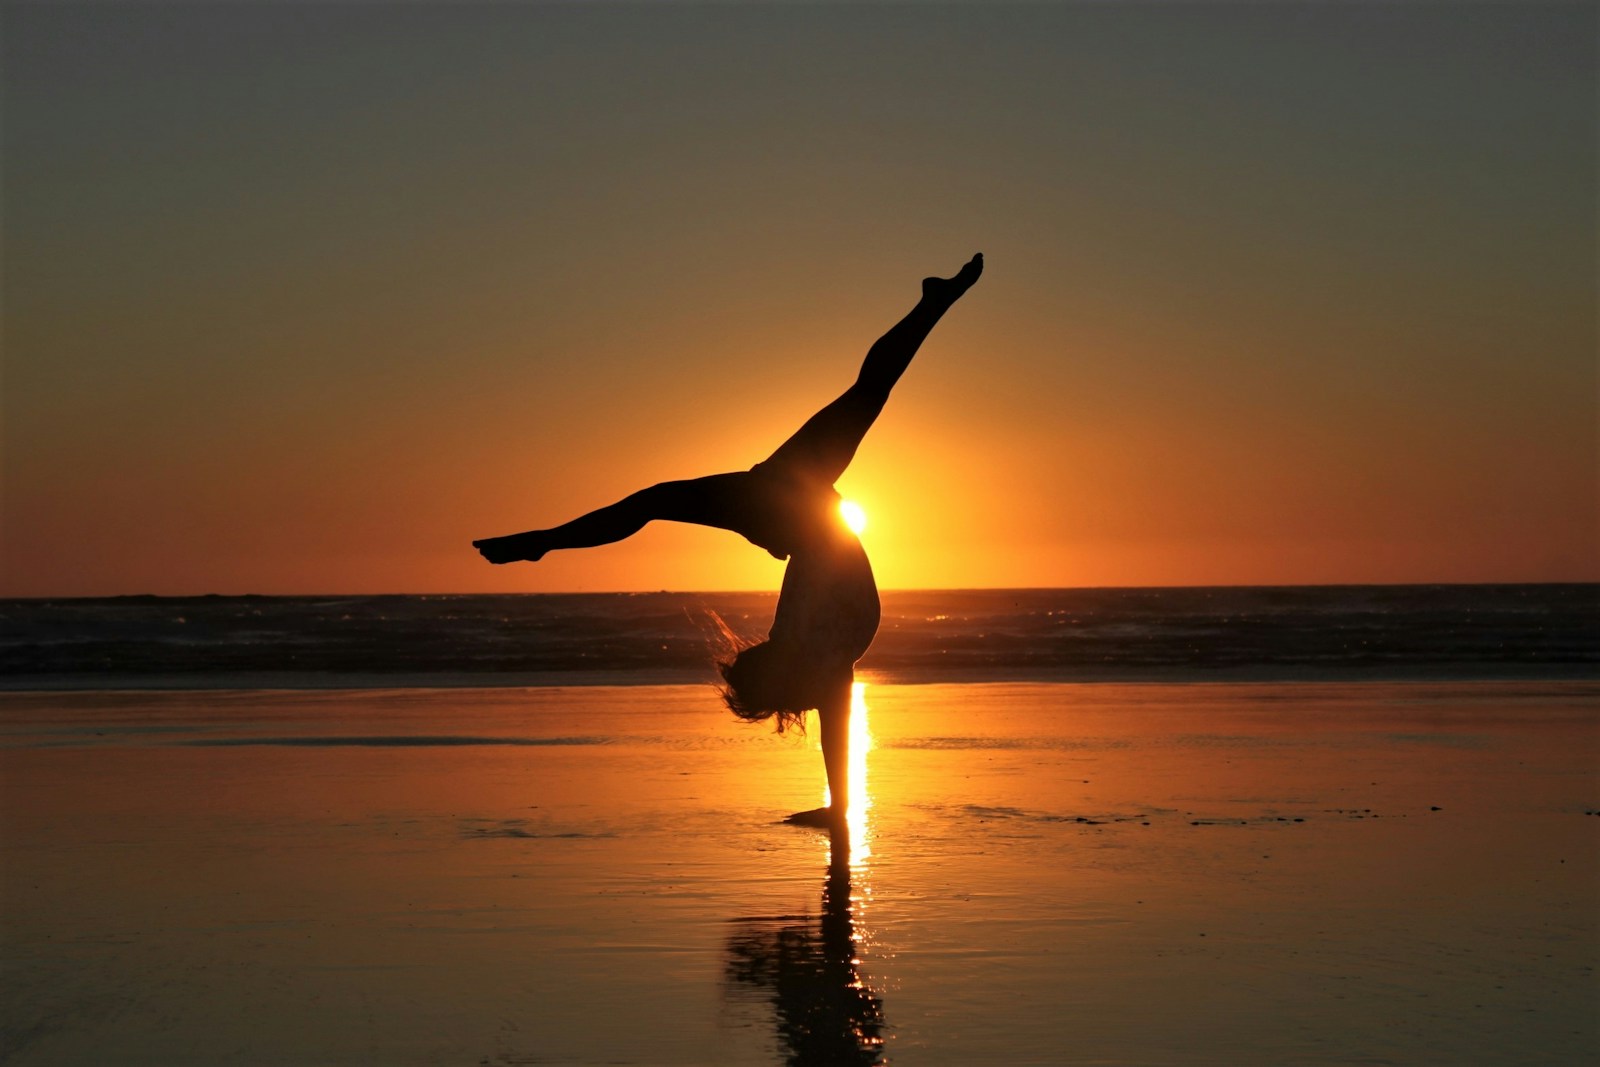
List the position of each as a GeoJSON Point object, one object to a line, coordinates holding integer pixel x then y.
{"type": "Point", "coordinates": [756, 687]}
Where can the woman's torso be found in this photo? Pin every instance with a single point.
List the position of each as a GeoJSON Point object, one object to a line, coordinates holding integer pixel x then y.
{"type": "Point", "coordinates": [828, 607]}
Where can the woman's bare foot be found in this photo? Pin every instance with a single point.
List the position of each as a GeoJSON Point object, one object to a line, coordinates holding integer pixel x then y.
{"type": "Point", "coordinates": [513, 549]}
{"type": "Point", "coordinates": [949, 290]}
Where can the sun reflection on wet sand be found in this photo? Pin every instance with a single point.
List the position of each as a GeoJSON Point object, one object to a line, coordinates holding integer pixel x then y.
{"type": "Point", "coordinates": [860, 848]}
{"type": "Point", "coordinates": [809, 967]}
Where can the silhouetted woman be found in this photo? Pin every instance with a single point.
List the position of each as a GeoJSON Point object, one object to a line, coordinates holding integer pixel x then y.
{"type": "Point", "coordinates": [827, 612]}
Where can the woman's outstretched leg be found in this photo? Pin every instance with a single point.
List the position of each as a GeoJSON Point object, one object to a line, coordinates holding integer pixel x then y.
{"type": "Point", "coordinates": [824, 446]}
{"type": "Point", "coordinates": [720, 500]}
{"type": "Point", "coordinates": [819, 450]}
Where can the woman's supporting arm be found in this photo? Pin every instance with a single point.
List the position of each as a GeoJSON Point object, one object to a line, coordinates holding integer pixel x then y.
{"type": "Point", "coordinates": [833, 722]}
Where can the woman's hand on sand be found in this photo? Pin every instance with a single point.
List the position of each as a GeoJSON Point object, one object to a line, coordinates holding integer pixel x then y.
{"type": "Point", "coordinates": [818, 817]}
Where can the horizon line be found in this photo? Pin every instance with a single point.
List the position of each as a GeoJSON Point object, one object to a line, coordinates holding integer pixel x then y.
{"type": "Point", "coordinates": [774, 592]}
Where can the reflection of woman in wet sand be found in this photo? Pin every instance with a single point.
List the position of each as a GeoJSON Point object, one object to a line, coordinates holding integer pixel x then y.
{"type": "Point", "coordinates": [810, 969]}
{"type": "Point", "coordinates": [827, 611]}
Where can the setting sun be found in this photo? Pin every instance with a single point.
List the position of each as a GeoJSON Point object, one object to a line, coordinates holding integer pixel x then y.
{"type": "Point", "coordinates": [853, 515]}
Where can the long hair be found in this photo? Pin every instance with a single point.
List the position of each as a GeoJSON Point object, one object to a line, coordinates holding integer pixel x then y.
{"type": "Point", "coordinates": [757, 684]}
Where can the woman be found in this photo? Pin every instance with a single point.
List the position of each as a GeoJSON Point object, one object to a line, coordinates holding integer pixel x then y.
{"type": "Point", "coordinates": [827, 611]}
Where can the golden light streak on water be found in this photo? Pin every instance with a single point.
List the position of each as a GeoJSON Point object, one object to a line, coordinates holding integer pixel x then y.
{"type": "Point", "coordinates": [860, 795]}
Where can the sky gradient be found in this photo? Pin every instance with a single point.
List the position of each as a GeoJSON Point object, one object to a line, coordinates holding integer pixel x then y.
{"type": "Point", "coordinates": [304, 298]}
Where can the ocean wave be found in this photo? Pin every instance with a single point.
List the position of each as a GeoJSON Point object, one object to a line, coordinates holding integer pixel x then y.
{"type": "Point", "coordinates": [389, 741]}
{"type": "Point", "coordinates": [1292, 633]}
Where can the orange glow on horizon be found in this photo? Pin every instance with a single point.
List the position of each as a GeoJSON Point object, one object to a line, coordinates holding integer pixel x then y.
{"type": "Point", "coordinates": [1240, 356]}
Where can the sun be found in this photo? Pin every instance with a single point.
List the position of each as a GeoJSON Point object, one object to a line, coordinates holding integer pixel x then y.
{"type": "Point", "coordinates": [853, 515]}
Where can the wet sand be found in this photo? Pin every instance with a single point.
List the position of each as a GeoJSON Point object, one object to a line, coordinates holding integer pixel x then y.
{"type": "Point", "coordinates": [1107, 874]}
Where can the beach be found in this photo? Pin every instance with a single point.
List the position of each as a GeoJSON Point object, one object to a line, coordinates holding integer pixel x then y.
{"type": "Point", "coordinates": [1339, 872]}
{"type": "Point", "coordinates": [1170, 426]}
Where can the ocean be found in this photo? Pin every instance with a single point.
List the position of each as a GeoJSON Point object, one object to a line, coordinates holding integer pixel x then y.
{"type": "Point", "coordinates": [1295, 633]}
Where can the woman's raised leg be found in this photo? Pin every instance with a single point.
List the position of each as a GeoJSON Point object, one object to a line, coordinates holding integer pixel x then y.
{"type": "Point", "coordinates": [718, 500]}
{"type": "Point", "coordinates": [824, 446]}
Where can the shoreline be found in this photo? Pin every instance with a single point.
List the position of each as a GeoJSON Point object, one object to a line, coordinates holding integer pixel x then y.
{"type": "Point", "coordinates": [270, 681]}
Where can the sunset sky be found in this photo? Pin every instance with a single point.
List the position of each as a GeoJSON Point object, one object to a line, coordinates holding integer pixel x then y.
{"type": "Point", "coordinates": [303, 298]}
